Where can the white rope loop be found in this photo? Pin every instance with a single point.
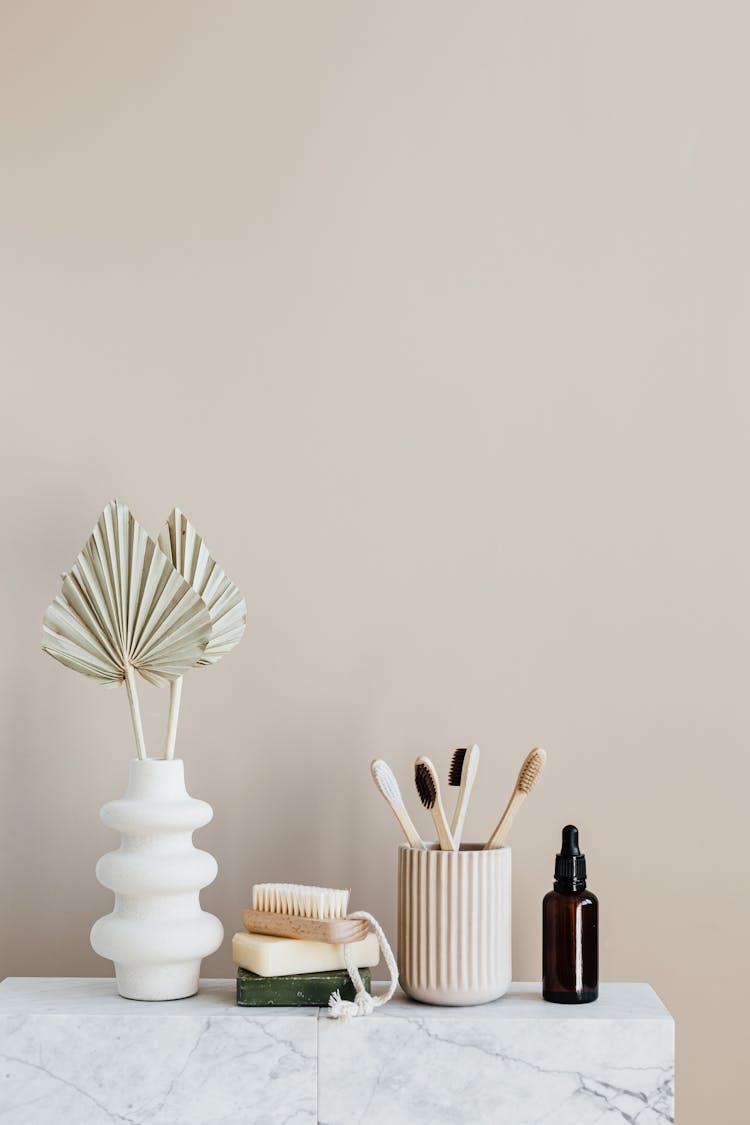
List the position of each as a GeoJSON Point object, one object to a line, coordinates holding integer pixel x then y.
{"type": "Point", "coordinates": [363, 1003]}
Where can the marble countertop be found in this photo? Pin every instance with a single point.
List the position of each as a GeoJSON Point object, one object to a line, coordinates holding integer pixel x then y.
{"type": "Point", "coordinates": [72, 1050]}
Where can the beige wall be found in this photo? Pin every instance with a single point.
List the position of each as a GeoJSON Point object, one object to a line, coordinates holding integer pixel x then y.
{"type": "Point", "coordinates": [433, 316]}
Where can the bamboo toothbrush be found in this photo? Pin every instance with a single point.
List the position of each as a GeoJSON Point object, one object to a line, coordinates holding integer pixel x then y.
{"type": "Point", "coordinates": [463, 771]}
{"type": "Point", "coordinates": [527, 779]}
{"type": "Point", "coordinates": [384, 779]}
{"type": "Point", "coordinates": [428, 787]}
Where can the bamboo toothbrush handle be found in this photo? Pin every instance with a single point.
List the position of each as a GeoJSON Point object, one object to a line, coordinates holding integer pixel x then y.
{"type": "Point", "coordinates": [500, 835]}
{"type": "Point", "coordinates": [407, 826]}
{"type": "Point", "coordinates": [459, 815]}
{"type": "Point", "coordinates": [462, 804]}
{"type": "Point", "coordinates": [447, 843]}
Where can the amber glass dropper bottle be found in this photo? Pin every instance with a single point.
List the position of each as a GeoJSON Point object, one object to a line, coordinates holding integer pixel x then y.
{"type": "Point", "coordinates": [570, 924]}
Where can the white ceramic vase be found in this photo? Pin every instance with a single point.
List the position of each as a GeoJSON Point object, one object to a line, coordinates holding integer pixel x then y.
{"type": "Point", "coordinates": [157, 933]}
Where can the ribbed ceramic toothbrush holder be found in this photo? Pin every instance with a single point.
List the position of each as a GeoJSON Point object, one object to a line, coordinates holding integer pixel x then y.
{"type": "Point", "coordinates": [454, 924]}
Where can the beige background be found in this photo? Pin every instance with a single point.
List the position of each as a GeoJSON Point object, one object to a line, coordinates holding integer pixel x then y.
{"type": "Point", "coordinates": [433, 316]}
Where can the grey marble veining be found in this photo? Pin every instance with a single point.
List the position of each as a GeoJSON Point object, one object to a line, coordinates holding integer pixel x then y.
{"type": "Point", "coordinates": [73, 1052]}
{"type": "Point", "coordinates": [518, 1061]}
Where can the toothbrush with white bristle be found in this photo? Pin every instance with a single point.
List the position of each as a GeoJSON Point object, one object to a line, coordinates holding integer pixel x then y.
{"type": "Point", "coordinates": [384, 779]}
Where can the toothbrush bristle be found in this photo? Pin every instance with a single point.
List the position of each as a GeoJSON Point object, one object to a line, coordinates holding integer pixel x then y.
{"type": "Point", "coordinates": [531, 769]}
{"type": "Point", "coordinates": [425, 784]}
{"type": "Point", "coordinates": [457, 766]}
{"type": "Point", "coordinates": [386, 781]}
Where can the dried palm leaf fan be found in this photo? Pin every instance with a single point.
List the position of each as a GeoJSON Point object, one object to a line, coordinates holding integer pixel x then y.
{"type": "Point", "coordinates": [225, 604]}
{"type": "Point", "coordinates": [125, 609]}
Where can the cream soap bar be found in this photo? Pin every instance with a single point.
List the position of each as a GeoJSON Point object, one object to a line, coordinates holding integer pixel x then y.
{"type": "Point", "coordinates": [280, 957]}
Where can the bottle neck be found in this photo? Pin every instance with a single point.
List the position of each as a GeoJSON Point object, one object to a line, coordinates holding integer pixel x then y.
{"type": "Point", "coordinates": [569, 886]}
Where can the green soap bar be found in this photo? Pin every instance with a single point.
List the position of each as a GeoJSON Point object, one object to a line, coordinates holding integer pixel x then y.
{"type": "Point", "coordinates": [297, 991]}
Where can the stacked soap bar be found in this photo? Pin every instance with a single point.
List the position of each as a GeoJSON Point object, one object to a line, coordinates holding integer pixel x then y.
{"type": "Point", "coordinates": [296, 991]}
{"type": "Point", "coordinates": [274, 971]}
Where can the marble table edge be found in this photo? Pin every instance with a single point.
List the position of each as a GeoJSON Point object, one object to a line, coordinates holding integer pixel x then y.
{"type": "Point", "coordinates": [97, 996]}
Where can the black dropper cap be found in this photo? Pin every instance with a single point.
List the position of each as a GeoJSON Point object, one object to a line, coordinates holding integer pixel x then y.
{"type": "Point", "coordinates": [570, 865]}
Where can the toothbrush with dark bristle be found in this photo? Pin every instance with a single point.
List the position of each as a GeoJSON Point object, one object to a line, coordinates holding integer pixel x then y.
{"type": "Point", "coordinates": [463, 771]}
{"type": "Point", "coordinates": [428, 788]}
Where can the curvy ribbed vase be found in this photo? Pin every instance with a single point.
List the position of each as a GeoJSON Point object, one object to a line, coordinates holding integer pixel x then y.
{"type": "Point", "coordinates": [454, 924]}
{"type": "Point", "coordinates": [157, 933]}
